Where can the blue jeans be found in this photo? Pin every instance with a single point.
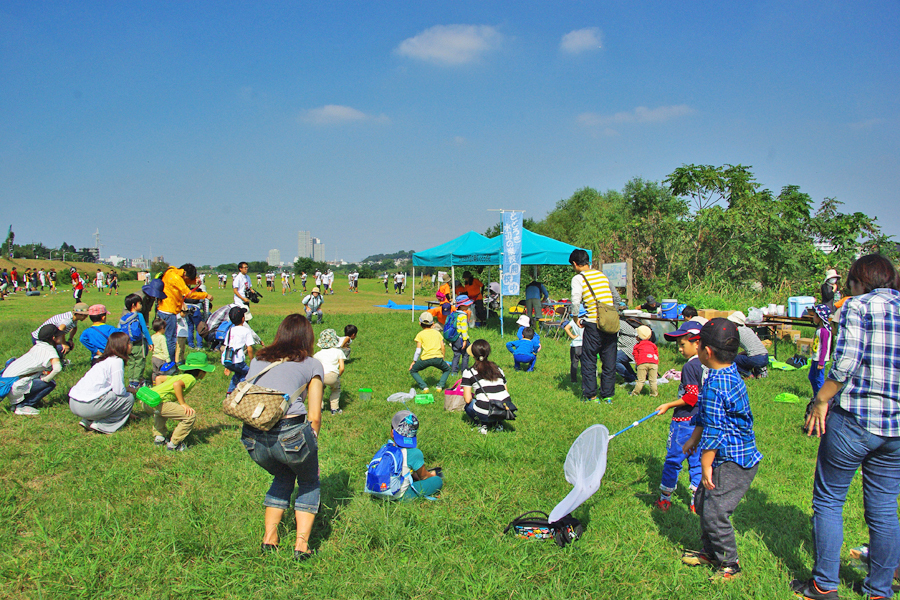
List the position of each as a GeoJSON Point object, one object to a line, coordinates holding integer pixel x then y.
{"type": "Point", "coordinates": [39, 389]}
{"type": "Point", "coordinates": [239, 371]}
{"type": "Point", "coordinates": [525, 361]}
{"type": "Point", "coordinates": [479, 418]}
{"type": "Point", "coordinates": [171, 330]}
{"type": "Point", "coordinates": [842, 450]}
{"type": "Point", "coordinates": [623, 367]}
{"type": "Point", "coordinates": [289, 452]}
{"type": "Point", "coordinates": [745, 364]}
{"type": "Point", "coordinates": [679, 432]}
{"type": "Point", "coordinates": [194, 318]}
{"type": "Point", "coordinates": [816, 377]}
{"type": "Point", "coordinates": [460, 356]}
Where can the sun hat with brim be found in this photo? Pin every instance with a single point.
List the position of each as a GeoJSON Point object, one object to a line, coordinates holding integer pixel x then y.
{"type": "Point", "coordinates": [197, 361]}
{"type": "Point", "coordinates": [328, 339]}
{"type": "Point", "coordinates": [523, 321]}
{"type": "Point", "coordinates": [463, 300]}
{"type": "Point", "coordinates": [831, 274]}
{"type": "Point", "coordinates": [738, 318]}
{"type": "Point", "coordinates": [445, 278]}
{"type": "Point", "coordinates": [316, 290]}
{"type": "Point", "coordinates": [823, 311]}
{"type": "Point", "coordinates": [154, 289]}
{"type": "Point", "coordinates": [426, 318]}
{"type": "Point", "coordinates": [98, 309]}
{"type": "Point", "coordinates": [80, 309]}
{"type": "Point", "coordinates": [689, 328]}
{"type": "Point", "coordinates": [405, 427]}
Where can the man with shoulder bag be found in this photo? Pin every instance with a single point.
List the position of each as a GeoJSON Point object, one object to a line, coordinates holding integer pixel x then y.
{"type": "Point", "coordinates": [592, 289]}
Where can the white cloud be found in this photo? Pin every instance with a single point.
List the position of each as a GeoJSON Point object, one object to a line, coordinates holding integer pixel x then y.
{"type": "Point", "coordinates": [451, 44]}
{"type": "Point", "coordinates": [641, 114]}
{"type": "Point", "coordinates": [335, 114]}
{"type": "Point", "coordinates": [581, 40]}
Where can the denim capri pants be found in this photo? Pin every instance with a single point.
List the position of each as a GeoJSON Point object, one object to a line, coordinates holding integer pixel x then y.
{"type": "Point", "coordinates": [290, 453]}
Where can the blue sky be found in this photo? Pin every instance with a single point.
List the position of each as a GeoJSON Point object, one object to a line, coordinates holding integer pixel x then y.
{"type": "Point", "coordinates": [211, 132]}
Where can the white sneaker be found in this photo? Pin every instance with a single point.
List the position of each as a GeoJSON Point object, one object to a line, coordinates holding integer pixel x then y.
{"type": "Point", "coordinates": [483, 430]}
{"type": "Point", "coordinates": [27, 411]}
{"type": "Point", "coordinates": [159, 440]}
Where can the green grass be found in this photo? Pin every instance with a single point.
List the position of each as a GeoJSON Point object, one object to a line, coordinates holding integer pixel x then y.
{"type": "Point", "coordinates": [90, 516]}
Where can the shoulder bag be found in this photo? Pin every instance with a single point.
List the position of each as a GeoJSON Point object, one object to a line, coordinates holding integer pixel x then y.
{"type": "Point", "coordinates": [499, 409]}
{"type": "Point", "coordinates": [258, 406]}
{"type": "Point", "coordinates": [607, 316]}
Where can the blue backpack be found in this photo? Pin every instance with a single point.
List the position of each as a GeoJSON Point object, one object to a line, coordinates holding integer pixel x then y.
{"type": "Point", "coordinates": [6, 383]}
{"type": "Point", "coordinates": [384, 475]}
{"type": "Point", "coordinates": [129, 324]}
{"type": "Point", "coordinates": [222, 330]}
{"type": "Point", "coordinates": [450, 332]}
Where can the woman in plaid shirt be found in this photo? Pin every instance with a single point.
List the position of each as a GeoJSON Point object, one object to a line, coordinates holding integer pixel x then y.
{"type": "Point", "coordinates": [861, 429]}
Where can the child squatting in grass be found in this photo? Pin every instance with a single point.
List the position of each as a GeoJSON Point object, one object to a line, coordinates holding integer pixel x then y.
{"type": "Point", "coordinates": [723, 435]}
{"type": "Point", "coordinates": [174, 388]}
{"type": "Point", "coordinates": [429, 353]}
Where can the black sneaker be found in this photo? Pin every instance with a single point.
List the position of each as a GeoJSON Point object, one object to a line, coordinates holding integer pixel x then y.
{"type": "Point", "coordinates": [726, 573]}
{"type": "Point", "coordinates": [808, 590]}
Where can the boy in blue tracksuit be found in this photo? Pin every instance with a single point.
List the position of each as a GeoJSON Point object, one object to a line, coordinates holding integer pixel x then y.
{"type": "Point", "coordinates": [95, 337]}
{"type": "Point", "coordinates": [132, 322]}
{"type": "Point", "coordinates": [524, 351]}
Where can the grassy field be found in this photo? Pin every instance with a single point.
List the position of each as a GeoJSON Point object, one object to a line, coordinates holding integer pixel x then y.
{"type": "Point", "coordinates": [92, 516]}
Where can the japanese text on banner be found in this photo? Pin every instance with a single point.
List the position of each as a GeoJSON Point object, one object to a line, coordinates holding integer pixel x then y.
{"type": "Point", "coordinates": [512, 253]}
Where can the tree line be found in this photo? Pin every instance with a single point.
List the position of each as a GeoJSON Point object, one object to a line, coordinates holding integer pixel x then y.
{"type": "Point", "coordinates": [712, 226]}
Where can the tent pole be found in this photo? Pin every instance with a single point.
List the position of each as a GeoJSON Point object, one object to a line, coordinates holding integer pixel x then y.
{"type": "Point", "coordinates": [453, 282]}
{"type": "Point", "coordinates": [412, 310]}
{"type": "Point", "coordinates": [500, 281]}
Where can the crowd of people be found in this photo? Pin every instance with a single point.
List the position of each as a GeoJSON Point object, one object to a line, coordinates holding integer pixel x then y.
{"type": "Point", "coordinates": [33, 282]}
{"type": "Point", "coordinates": [856, 407]}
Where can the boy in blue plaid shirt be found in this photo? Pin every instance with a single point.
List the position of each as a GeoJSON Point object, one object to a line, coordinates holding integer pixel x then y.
{"type": "Point", "coordinates": [723, 435]}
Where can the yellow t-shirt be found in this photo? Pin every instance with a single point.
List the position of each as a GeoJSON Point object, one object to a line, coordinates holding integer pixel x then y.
{"type": "Point", "coordinates": [166, 389]}
{"type": "Point", "coordinates": [432, 344]}
{"type": "Point", "coordinates": [160, 349]}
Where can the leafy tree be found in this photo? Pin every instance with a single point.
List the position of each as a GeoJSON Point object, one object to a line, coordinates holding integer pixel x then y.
{"type": "Point", "coordinates": [159, 267]}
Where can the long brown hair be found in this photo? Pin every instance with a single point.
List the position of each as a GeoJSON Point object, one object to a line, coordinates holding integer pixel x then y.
{"type": "Point", "coordinates": [116, 346]}
{"type": "Point", "coordinates": [293, 341]}
{"type": "Point", "coordinates": [484, 368]}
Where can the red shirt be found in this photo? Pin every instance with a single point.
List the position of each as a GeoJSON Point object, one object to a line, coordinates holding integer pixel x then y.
{"type": "Point", "coordinates": [646, 351]}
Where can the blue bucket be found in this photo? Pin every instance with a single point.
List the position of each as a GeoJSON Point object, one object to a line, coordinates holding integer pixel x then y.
{"type": "Point", "coordinates": [669, 309]}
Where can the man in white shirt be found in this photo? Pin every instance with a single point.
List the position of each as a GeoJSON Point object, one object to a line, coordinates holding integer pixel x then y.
{"type": "Point", "coordinates": [242, 288]}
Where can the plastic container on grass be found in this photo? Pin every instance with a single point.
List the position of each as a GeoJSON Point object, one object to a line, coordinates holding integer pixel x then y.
{"type": "Point", "coordinates": [148, 397]}
{"type": "Point", "coordinates": [365, 394]}
{"type": "Point", "coordinates": [424, 399]}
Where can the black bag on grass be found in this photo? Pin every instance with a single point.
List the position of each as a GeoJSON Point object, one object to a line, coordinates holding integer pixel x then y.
{"type": "Point", "coordinates": [533, 525]}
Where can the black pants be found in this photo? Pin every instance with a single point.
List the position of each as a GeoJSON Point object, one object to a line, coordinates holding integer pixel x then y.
{"type": "Point", "coordinates": [574, 359]}
{"type": "Point", "coordinates": [594, 343]}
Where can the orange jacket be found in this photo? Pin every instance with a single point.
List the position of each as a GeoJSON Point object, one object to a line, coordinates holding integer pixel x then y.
{"type": "Point", "coordinates": [176, 291]}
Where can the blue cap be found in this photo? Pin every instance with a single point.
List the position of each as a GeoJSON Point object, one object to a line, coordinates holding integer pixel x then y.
{"type": "Point", "coordinates": [405, 426]}
{"type": "Point", "coordinates": [691, 328]}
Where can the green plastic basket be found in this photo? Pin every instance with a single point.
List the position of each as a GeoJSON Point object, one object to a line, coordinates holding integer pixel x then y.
{"type": "Point", "coordinates": [424, 399]}
{"type": "Point", "coordinates": [365, 394]}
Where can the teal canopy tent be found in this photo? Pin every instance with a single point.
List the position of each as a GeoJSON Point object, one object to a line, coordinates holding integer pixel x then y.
{"type": "Point", "coordinates": [472, 249]}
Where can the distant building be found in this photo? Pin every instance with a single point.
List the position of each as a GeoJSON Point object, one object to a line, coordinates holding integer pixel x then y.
{"type": "Point", "coordinates": [159, 259]}
{"type": "Point", "coordinates": [116, 261]}
{"type": "Point", "coordinates": [304, 244]}
{"type": "Point", "coordinates": [318, 254]}
{"type": "Point", "coordinates": [274, 257]}
{"type": "Point", "coordinates": [824, 247]}
{"type": "Point", "coordinates": [139, 263]}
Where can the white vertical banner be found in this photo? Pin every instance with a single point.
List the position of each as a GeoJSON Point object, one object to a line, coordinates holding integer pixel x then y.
{"type": "Point", "coordinates": [512, 253]}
